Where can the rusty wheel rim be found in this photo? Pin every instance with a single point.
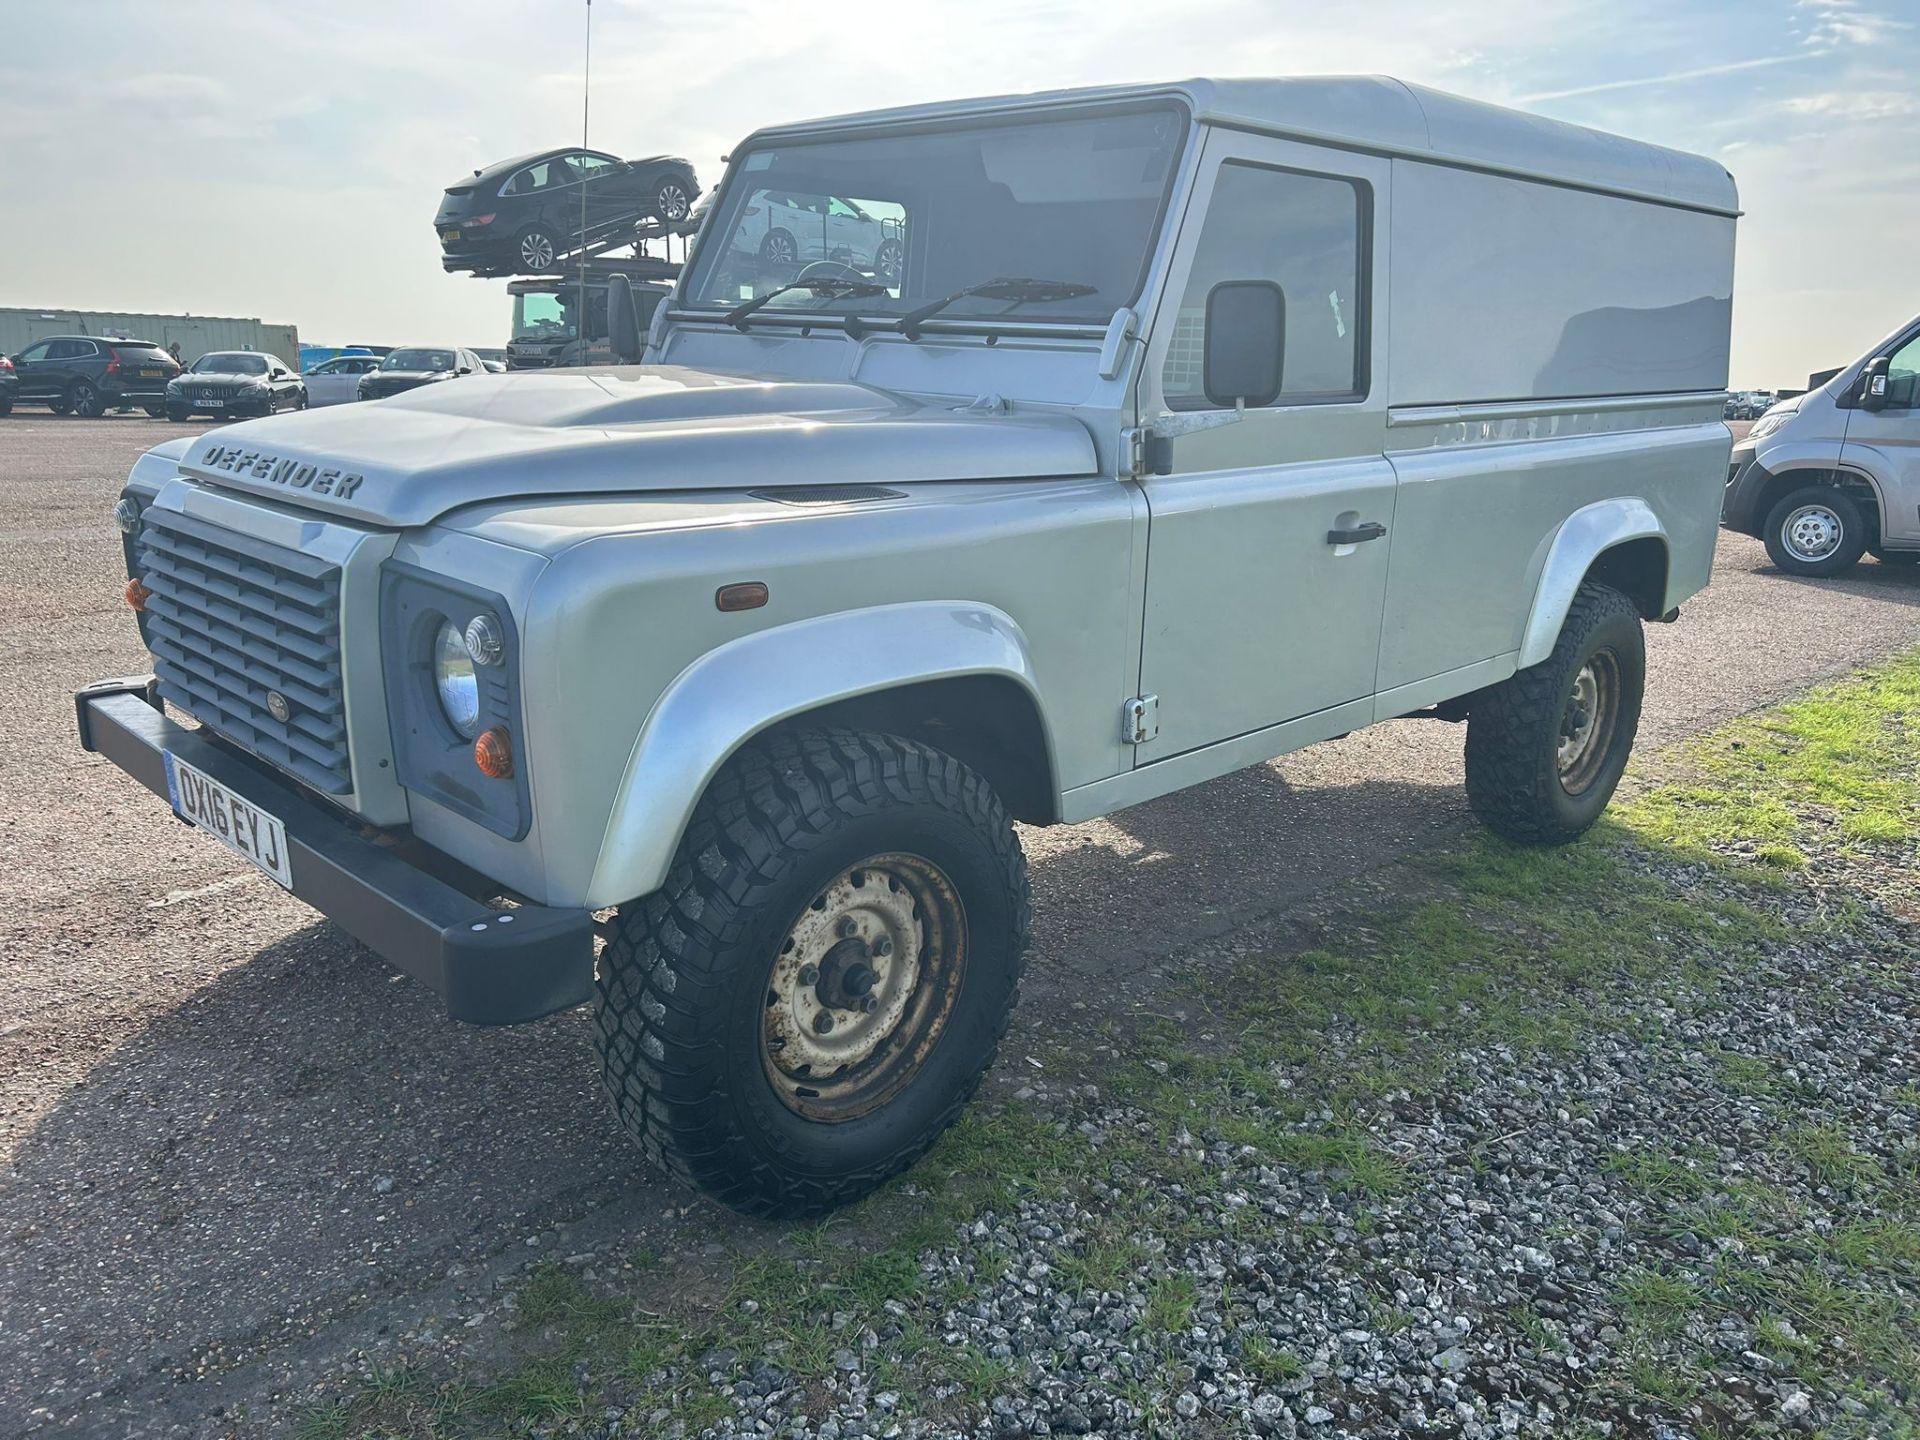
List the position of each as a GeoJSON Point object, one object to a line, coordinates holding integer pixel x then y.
{"type": "Point", "coordinates": [863, 987]}
{"type": "Point", "coordinates": [1587, 723]}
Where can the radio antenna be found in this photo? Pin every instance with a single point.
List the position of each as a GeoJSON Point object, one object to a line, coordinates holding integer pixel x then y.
{"type": "Point", "coordinates": [586, 101]}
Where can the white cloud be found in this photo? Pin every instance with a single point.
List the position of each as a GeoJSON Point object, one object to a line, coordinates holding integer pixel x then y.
{"type": "Point", "coordinates": [1840, 23]}
{"type": "Point", "coordinates": [1856, 104]}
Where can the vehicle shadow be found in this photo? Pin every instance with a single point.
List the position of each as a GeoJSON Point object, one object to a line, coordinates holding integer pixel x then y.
{"type": "Point", "coordinates": [308, 1134]}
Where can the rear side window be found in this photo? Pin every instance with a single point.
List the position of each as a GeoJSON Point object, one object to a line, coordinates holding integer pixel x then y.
{"type": "Point", "coordinates": [70, 349]}
{"type": "Point", "coordinates": [1306, 232]}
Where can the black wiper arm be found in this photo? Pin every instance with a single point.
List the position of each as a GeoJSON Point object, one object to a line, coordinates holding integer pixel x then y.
{"type": "Point", "coordinates": [838, 287]}
{"type": "Point", "coordinates": [1020, 291]}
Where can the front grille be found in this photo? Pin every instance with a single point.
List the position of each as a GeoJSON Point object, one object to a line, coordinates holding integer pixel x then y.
{"type": "Point", "coordinates": [232, 618]}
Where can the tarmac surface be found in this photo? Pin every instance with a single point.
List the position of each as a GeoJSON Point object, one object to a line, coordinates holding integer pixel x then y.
{"type": "Point", "coordinates": [234, 1144]}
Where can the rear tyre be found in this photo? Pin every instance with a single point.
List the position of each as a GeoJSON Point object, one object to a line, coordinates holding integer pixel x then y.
{"type": "Point", "coordinates": [536, 250]}
{"type": "Point", "coordinates": [1546, 747]}
{"type": "Point", "coordinates": [813, 996]}
{"type": "Point", "coordinates": [1817, 530]}
{"type": "Point", "coordinates": [889, 259]}
{"type": "Point", "coordinates": [156, 411]}
{"type": "Point", "coordinates": [6, 407]}
{"type": "Point", "coordinates": [778, 248]}
{"type": "Point", "coordinates": [85, 400]}
{"type": "Point", "coordinates": [177, 414]}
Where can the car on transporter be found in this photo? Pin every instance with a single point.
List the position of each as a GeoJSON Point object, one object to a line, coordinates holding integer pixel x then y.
{"type": "Point", "coordinates": [1834, 474]}
{"type": "Point", "coordinates": [523, 216]}
{"type": "Point", "coordinates": [707, 690]}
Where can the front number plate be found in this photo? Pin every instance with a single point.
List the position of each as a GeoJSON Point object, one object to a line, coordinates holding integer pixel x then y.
{"type": "Point", "coordinates": [239, 824]}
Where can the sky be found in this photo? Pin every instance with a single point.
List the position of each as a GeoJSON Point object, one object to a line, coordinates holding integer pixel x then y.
{"type": "Point", "coordinates": [284, 161]}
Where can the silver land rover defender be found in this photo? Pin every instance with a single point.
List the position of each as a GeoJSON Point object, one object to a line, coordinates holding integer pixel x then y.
{"type": "Point", "coordinates": [1189, 425]}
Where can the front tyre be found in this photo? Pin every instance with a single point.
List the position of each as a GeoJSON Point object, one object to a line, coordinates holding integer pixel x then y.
{"type": "Point", "coordinates": [1817, 530]}
{"type": "Point", "coordinates": [1547, 746]}
{"type": "Point", "coordinates": [813, 996]}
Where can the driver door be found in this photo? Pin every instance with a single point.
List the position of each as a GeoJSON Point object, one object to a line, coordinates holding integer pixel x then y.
{"type": "Point", "coordinates": [1257, 612]}
{"type": "Point", "coordinates": [1886, 443]}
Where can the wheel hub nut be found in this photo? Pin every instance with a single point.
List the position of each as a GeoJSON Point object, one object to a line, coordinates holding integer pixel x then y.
{"type": "Point", "coordinates": [809, 974]}
{"type": "Point", "coordinates": [849, 927]}
{"type": "Point", "coordinates": [823, 1022]}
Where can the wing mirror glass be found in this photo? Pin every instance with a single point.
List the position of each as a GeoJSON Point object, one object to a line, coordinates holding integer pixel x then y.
{"type": "Point", "coordinates": [1246, 342]}
{"type": "Point", "coordinates": [1873, 384]}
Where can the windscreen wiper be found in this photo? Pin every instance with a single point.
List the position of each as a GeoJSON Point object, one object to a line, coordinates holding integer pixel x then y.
{"type": "Point", "coordinates": [837, 287]}
{"type": "Point", "coordinates": [1019, 291]}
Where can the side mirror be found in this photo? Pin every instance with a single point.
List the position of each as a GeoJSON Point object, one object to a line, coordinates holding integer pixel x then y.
{"type": "Point", "coordinates": [1246, 340]}
{"type": "Point", "coordinates": [464, 370]}
{"type": "Point", "coordinates": [1873, 384]}
{"type": "Point", "coordinates": [623, 321]}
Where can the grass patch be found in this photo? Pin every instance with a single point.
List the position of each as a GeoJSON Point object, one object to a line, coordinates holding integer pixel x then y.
{"type": "Point", "coordinates": [1304, 1057]}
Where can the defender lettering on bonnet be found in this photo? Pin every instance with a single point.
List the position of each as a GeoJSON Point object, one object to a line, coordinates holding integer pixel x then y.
{"type": "Point", "coordinates": [294, 474]}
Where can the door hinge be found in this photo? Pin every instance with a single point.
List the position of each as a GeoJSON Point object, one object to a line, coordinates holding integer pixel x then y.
{"type": "Point", "coordinates": [1144, 452]}
{"type": "Point", "coordinates": [1140, 719]}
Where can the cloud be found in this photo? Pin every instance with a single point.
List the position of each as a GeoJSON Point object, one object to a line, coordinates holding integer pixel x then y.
{"type": "Point", "coordinates": [1841, 23]}
{"type": "Point", "coordinates": [1856, 104]}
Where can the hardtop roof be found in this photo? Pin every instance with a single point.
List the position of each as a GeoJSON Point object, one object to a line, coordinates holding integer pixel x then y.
{"type": "Point", "coordinates": [1380, 114]}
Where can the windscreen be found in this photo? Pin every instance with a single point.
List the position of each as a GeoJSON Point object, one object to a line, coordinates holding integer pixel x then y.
{"type": "Point", "coordinates": [230, 363]}
{"type": "Point", "coordinates": [1074, 199]}
{"type": "Point", "coordinates": [418, 360]}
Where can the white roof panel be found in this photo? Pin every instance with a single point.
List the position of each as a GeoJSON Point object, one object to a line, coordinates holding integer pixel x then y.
{"type": "Point", "coordinates": [1378, 113]}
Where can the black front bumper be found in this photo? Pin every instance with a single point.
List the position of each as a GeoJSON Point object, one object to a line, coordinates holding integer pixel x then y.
{"type": "Point", "coordinates": [1747, 481]}
{"type": "Point", "coordinates": [491, 966]}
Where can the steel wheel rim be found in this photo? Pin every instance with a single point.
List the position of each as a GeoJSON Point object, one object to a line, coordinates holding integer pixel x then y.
{"type": "Point", "coordinates": [1587, 722]}
{"type": "Point", "coordinates": [1812, 533]}
{"type": "Point", "coordinates": [672, 201]}
{"type": "Point", "coordinates": [881, 953]}
{"type": "Point", "coordinates": [536, 250]}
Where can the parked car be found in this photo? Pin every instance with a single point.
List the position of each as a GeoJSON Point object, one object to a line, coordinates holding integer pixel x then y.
{"type": "Point", "coordinates": [522, 216]}
{"type": "Point", "coordinates": [337, 381]}
{"type": "Point", "coordinates": [89, 375]}
{"type": "Point", "coordinates": [494, 358]}
{"type": "Point", "coordinates": [1834, 474]}
{"type": "Point", "coordinates": [736, 672]}
{"type": "Point", "coordinates": [9, 385]}
{"type": "Point", "coordinates": [412, 366]}
{"type": "Point", "coordinates": [785, 229]}
{"type": "Point", "coordinates": [235, 383]}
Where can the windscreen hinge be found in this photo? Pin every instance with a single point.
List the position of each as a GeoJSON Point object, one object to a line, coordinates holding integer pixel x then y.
{"type": "Point", "coordinates": [1140, 719]}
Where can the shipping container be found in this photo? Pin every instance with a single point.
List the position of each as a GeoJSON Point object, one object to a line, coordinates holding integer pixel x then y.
{"type": "Point", "coordinates": [20, 326]}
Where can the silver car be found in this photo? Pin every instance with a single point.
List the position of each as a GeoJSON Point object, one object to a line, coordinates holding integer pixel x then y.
{"type": "Point", "coordinates": [336, 381]}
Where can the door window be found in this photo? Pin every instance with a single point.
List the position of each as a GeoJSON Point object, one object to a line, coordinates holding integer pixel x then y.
{"type": "Point", "coordinates": [590, 167]}
{"type": "Point", "coordinates": [1903, 376]}
{"type": "Point", "coordinates": [1309, 234]}
{"type": "Point", "coordinates": [42, 351]}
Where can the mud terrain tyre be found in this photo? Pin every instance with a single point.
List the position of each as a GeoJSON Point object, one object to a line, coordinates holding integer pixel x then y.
{"type": "Point", "coordinates": [814, 994]}
{"type": "Point", "coordinates": [1547, 746]}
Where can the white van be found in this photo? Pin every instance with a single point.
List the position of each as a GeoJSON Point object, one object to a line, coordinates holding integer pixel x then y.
{"type": "Point", "coordinates": [1831, 475]}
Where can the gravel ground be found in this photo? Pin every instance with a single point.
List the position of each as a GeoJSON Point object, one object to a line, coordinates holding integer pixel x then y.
{"type": "Point", "coordinates": [236, 1150]}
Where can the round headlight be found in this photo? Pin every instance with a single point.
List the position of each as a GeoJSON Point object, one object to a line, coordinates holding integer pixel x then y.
{"type": "Point", "coordinates": [454, 681]}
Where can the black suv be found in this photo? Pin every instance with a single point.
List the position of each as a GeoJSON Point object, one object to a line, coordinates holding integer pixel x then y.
{"type": "Point", "coordinates": [9, 385]}
{"type": "Point", "coordinates": [90, 375]}
{"type": "Point", "coordinates": [522, 216]}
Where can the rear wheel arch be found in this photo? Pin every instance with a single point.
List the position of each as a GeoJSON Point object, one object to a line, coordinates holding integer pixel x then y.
{"type": "Point", "coordinates": [1638, 570]}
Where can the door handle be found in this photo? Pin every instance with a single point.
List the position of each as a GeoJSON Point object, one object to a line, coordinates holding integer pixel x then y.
{"type": "Point", "coordinates": [1358, 535]}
